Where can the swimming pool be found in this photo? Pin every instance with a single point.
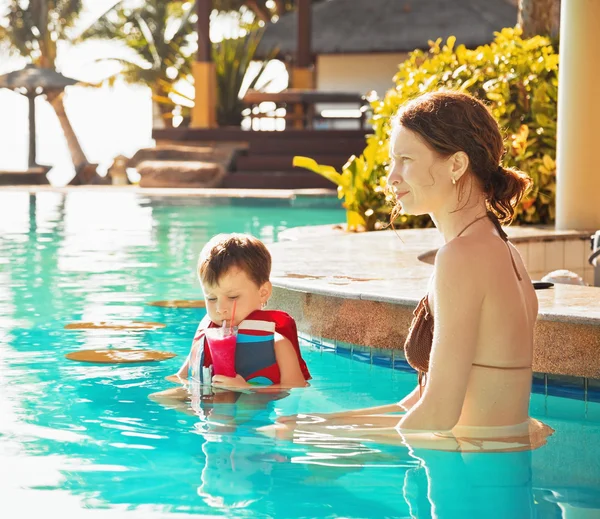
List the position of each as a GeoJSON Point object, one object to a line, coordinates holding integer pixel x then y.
{"type": "Point", "coordinates": [84, 440]}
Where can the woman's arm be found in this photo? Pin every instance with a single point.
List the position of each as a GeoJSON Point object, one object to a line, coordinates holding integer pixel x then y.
{"type": "Point", "coordinates": [458, 297]}
{"type": "Point", "coordinates": [401, 407]}
{"type": "Point", "coordinates": [404, 405]}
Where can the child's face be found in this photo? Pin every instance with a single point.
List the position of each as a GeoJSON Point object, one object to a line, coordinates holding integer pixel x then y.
{"type": "Point", "coordinates": [234, 285]}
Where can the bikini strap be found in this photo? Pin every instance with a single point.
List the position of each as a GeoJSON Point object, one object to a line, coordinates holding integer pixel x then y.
{"type": "Point", "coordinates": [494, 219]}
{"type": "Point", "coordinates": [497, 225]}
{"type": "Point", "coordinates": [500, 367]}
{"type": "Point", "coordinates": [469, 225]}
{"type": "Point", "coordinates": [504, 236]}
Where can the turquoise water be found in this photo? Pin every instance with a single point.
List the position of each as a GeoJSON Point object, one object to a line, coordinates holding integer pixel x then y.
{"type": "Point", "coordinates": [79, 439]}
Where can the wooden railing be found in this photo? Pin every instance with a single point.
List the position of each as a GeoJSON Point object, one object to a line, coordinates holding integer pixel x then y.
{"type": "Point", "coordinates": [299, 107]}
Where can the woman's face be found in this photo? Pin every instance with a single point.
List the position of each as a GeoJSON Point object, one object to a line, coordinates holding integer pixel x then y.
{"type": "Point", "coordinates": [421, 178]}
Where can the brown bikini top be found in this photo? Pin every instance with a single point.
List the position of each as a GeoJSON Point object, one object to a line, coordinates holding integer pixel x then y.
{"type": "Point", "coordinates": [417, 348]}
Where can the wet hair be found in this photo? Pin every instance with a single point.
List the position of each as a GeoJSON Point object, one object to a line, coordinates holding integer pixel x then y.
{"type": "Point", "coordinates": [450, 122]}
{"type": "Point", "coordinates": [225, 251]}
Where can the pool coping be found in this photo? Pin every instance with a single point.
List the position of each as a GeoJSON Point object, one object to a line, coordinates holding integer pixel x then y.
{"type": "Point", "coordinates": [415, 262]}
{"type": "Point", "coordinates": [323, 278]}
{"type": "Point", "coordinates": [282, 194]}
{"type": "Point", "coordinates": [565, 386]}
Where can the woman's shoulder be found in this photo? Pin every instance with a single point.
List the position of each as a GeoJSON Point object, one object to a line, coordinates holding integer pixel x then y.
{"type": "Point", "coordinates": [469, 256]}
{"type": "Point", "coordinates": [463, 251]}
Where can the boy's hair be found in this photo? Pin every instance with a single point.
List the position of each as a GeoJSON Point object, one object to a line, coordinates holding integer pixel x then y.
{"type": "Point", "coordinates": [225, 251]}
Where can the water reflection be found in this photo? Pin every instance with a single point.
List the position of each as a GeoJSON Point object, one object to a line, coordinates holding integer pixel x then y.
{"type": "Point", "coordinates": [470, 485]}
{"type": "Point", "coordinates": [87, 256]}
{"type": "Point", "coordinates": [90, 433]}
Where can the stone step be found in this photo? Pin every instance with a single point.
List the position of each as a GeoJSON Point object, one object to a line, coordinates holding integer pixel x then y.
{"type": "Point", "coordinates": [32, 176]}
{"type": "Point", "coordinates": [199, 136]}
{"type": "Point", "coordinates": [294, 179]}
{"type": "Point", "coordinates": [219, 153]}
{"type": "Point", "coordinates": [180, 173]}
{"type": "Point", "coordinates": [308, 146]}
{"type": "Point", "coordinates": [283, 162]}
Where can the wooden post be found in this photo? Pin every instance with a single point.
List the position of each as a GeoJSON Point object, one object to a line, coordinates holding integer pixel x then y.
{"type": "Point", "coordinates": [304, 34]}
{"type": "Point", "coordinates": [577, 179]}
{"type": "Point", "coordinates": [303, 71]}
{"type": "Point", "coordinates": [31, 99]}
{"type": "Point", "coordinates": [539, 17]}
{"type": "Point", "coordinates": [203, 69]}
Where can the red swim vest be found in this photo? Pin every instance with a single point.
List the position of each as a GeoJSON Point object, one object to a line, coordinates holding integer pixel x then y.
{"type": "Point", "coordinates": [255, 353]}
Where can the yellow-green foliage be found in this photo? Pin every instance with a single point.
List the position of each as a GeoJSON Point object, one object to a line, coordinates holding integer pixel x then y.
{"type": "Point", "coordinates": [361, 185]}
{"type": "Point", "coordinates": [517, 79]}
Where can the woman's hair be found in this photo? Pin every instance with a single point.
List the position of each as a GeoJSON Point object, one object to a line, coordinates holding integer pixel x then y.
{"type": "Point", "coordinates": [450, 122]}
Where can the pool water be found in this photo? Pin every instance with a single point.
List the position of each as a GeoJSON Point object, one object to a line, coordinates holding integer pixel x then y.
{"type": "Point", "coordinates": [84, 440]}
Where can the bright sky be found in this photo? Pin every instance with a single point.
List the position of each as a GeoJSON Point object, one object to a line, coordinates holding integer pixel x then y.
{"type": "Point", "coordinates": [109, 121]}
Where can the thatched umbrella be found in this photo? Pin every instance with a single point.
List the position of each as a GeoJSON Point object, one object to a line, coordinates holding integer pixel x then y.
{"type": "Point", "coordinates": [33, 81]}
{"type": "Point", "coordinates": [389, 26]}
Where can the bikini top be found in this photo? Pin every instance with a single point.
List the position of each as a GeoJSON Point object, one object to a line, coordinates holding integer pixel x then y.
{"type": "Point", "coordinates": [417, 348]}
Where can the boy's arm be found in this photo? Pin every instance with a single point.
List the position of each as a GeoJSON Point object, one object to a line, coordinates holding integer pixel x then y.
{"type": "Point", "coordinates": [182, 374]}
{"type": "Point", "coordinates": [288, 364]}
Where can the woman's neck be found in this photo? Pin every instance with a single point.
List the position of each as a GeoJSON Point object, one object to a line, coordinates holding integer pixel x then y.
{"type": "Point", "coordinates": [452, 223]}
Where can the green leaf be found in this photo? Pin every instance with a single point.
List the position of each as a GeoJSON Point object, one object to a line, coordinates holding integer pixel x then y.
{"type": "Point", "coordinates": [325, 171]}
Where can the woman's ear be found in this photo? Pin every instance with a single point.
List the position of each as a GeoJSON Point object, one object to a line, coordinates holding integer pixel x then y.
{"type": "Point", "coordinates": [459, 165]}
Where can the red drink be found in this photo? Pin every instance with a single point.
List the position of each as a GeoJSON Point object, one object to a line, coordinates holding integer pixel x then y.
{"type": "Point", "coordinates": [221, 343]}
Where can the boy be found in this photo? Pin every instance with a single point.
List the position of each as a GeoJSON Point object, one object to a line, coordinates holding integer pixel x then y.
{"type": "Point", "coordinates": [237, 267]}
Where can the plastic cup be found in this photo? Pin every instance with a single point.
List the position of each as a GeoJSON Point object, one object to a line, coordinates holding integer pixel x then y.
{"type": "Point", "coordinates": [221, 343]}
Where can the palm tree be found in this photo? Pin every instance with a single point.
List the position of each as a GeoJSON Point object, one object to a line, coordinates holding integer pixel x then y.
{"type": "Point", "coordinates": [32, 30]}
{"type": "Point", "coordinates": [263, 10]}
{"type": "Point", "coordinates": [260, 8]}
{"type": "Point", "coordinates": [160, 34]}
{"type": "Point", "coordinates": [539, 17]}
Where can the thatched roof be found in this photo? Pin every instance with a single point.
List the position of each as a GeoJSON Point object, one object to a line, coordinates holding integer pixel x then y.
{"type": "Point", "coordinates": [32, 77]}
{"type": "Point", "coordinates": [363, 26]}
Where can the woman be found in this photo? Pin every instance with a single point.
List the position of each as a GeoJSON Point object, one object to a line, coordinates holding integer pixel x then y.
{"type": "Point", "coordinates": [474, 364]}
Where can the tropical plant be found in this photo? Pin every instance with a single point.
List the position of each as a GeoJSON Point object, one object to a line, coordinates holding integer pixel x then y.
{"type": "Point", "coordinates": [259, 8]}
{"type": "Point", "coordinates": [518, 78]}
{"type": "Point", "coordinates": [232, 58]}
{"type": "Point", "coordinates": [33, 29]}
{"type": "Point", "coordinates": [362, 185]}
{"type": "Point", "coordinates": [160, 35]}
{"type": "Point", "coordinates": [539, 17]}
{"type": "Point", "coordinates": [263, 10]}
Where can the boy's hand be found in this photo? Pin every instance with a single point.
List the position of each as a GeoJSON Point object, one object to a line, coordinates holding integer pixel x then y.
{"type": "Point", "coordinates": [176, 379]}
{"type": "Point", "coordinates": [225, 382]}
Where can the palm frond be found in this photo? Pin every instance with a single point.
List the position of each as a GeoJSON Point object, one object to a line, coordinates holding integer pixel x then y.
{"type": "Point", "coordinates": [185, 25]}
{"type": "Point", "coordinates": [32, 29]}
{"type": "Point", "coordinates": [149, 37]}
{"type": "Point", "coordinates": [232, 58]}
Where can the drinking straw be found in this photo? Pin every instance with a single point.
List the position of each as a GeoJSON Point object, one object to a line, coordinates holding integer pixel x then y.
{"type": "Point", "coordinates": [232, 315]}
